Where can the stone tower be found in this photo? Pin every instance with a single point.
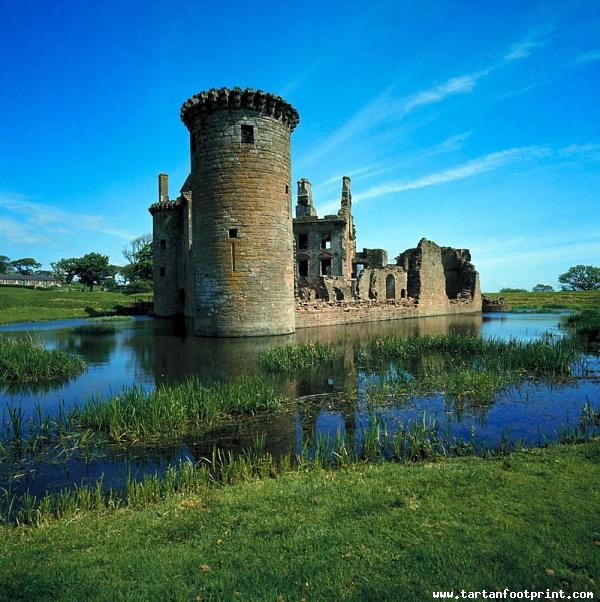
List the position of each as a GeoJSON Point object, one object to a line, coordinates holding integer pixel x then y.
{"type": "Point", "coordinates": [166, 242]}
{"type": "Point", "coordinates": [242, 240]}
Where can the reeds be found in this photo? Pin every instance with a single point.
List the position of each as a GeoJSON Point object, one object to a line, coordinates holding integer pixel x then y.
{"type": "Point", "coordinates": [292, 358]}
{"type": "Point", "coordinates": [25, 359]}
{"type": "Point", "coordinates": [94, 329]}
{"type": "Point", "coordinates": [116, 318]}
{"type": "Point", "coordinates": [174, 410]}
{"type": "Point", "coordinates": [416, 440]}
{"type": "Point", "coordinates": [586, 324]}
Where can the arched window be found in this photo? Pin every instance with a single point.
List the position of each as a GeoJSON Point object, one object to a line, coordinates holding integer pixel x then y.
{"type": "Point", "coordinates": [390, 287]}
{"type": "Point", "coordinates": [403, 293]}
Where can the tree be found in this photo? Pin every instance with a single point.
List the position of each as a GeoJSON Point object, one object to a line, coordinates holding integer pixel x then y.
{"type": "Point", "coordinates": [513, 290]}
{"type": "Point", "coordinates": [139, 254]}
{"type": "Point", "coordinates": [65, 269]}
{"type": "Point", "coordinates": [5, 265]}
{"type": "Point", "coordinates": [581, 278]}
{"type": "Point", "coordinates": [26, 265]}
{"type": "Point", "coordinates": [93, 268]}
{"type": "Point", "coordinates": [542, 288]}
{"type": "Point", "coordinates": [134, 246]}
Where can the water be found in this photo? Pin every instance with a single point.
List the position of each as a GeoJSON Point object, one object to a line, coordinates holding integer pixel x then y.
{"type": "Point", "coordinates": [148, 352]}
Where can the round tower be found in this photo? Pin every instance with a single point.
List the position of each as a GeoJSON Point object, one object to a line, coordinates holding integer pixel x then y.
{"type": "Point", "coordinates": [242, 240]}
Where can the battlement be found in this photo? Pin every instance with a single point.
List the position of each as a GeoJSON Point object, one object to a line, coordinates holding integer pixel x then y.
{"type": "Point", "coordinates": [215, 99]}
{"type": "Point", "coordinates": [166, 205]}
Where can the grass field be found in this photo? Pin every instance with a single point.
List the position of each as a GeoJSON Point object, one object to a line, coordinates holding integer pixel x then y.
{"type": "Point", "coordinates": [18, 304]}
{"type": "Point", "coordinates": [365, 532]}
{"type": "Point", "coordinates": [574, 300]}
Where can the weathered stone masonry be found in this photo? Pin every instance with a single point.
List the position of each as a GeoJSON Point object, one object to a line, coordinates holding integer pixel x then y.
{"type": "Point", "coordinates": [229, 256]}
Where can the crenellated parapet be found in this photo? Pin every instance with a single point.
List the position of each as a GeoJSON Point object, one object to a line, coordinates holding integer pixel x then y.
{"type": "Point", "coordinates": [215, 99]}
{"type": "Point", "coordinates": [167, 206]}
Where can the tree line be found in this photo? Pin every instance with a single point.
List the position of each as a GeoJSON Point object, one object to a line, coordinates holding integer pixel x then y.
{"type": "Point", "coordinates": [95, 268]}
{"type": "Point", "coordinates": [576, 278]}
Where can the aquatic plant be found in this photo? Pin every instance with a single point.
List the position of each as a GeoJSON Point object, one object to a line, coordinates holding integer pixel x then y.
{"type": "Point", "coordinates": [415, 440]}
{"type": "Point", "coordinates": [115, 318]}
{"type": "Point", "coordinates": [547, 356]}
{"type": "Point", "coordinates": [172, 410]}
{"type": "Point", "coordinates": [94, 329]}
{"type": "Point", "coordinates": [26, 359]}
{"type": "Point", "coordinates": [291, 358]}
{"type": "Point", "coordinates": [585, 324]}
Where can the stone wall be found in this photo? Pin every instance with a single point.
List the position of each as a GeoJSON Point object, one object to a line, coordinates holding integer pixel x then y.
{"type": "Point", "coordinates": [242, 244]}
{"type": "Point", "coordinates": [168, 265]}
{"type": "Point", "coordinates": [320, 313]}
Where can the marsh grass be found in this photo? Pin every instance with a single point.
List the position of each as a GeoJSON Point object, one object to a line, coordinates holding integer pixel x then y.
{"type": "Point", "coordinates": [138, 416]}
{"type": "Point", "coordinates": [292, 358]}
{"type": "Point", "coordinates": [415, 441]}
{"type": "Point", "coordinates": [585, 324]}
{"type": "Point", "coordinates": [26, 359]}
{"type": "Point", "coordinates": [112, 319]}
{"type": "Point", "coordinates": [94, 329]}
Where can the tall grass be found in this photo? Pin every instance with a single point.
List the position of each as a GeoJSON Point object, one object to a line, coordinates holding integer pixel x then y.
{"type": "Point", "coordinates": [417, 440]}
{"type": "Point", "coordinates": [546, 356]}
{"type": "Point", "coordinates": [174, 410]}
{"type": "Point", "coordinates": [112, 319]}
{"type": "Point", "coordinates": [94, 329]}
{"type": "Point", "coordinates": [25, 359]}
{"type": "Point", "coordinates": [291, 358]}
{"type": "Point", "coordinates": [586, 324]}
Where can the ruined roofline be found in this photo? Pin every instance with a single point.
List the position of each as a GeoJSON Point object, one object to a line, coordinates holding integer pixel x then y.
{"type": "Point", "coordinates": [215, 99]}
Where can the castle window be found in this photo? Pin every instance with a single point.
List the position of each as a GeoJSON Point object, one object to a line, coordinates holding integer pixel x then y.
{"type": "Point", "coordinates": [247, 134]}
{"type": "Point", "coordinates": [192, 143]}
{"type": "Point", "coordinates": [326, 241]}
{"type": "Point", "coordinates": [163, 271]}
{"type": "Point", "coordinates": [233, 232]}
{"type": "Point", "coordinates": [303, 268]}
{"type": "Point", "coordinates": [325, 267]}
{"type": "Point", "coordinates": [403, 293]}
{"type": "Point", "coordinates": [287, 189]}
{"type": "Point", "coordinates": [163, 243]}
{"type": "Point", "coordinates": [303, 241]}
{"type": "Point", "coordinates": [390, 287]}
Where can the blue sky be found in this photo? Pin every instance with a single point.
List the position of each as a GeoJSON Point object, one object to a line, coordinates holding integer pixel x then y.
{"type": "Point", "coordinates": [474, 124]}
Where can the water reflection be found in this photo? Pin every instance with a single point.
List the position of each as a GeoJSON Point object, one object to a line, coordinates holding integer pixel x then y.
{"type": "Point", "coordinates": [150, 352]}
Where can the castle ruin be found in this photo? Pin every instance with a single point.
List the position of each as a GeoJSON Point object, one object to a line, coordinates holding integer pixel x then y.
{"type": "Point", "coordinates": [229, 256]}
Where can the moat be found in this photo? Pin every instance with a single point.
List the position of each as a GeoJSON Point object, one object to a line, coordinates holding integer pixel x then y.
{"type": "Point", "coordinates": [148, 352]}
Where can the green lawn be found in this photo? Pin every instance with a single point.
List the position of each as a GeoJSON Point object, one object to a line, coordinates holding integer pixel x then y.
{"type": "Point", "coordinates": [575, 300]}
{"type": "Point", "coordinates": [366, 532]}
{"type": "Point", "coordinates": [19, 304]}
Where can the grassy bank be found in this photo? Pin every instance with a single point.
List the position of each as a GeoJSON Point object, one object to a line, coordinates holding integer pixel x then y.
{"type": "Point", "coordinates": [23, 360]}
{"type": "Point", "coordinates": [18, 304]}
{"type": "Point", "coordinates": [573, 300]}
{"type": "Point", "coordinates": [365, 532]}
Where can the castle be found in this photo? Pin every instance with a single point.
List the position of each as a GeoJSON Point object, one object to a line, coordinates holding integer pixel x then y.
{"type": "Point", "coordinates": [229, 256]}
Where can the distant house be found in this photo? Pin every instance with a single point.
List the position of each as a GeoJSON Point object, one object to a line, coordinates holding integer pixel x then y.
{"type": "Point", "coordinates": [35, 280]}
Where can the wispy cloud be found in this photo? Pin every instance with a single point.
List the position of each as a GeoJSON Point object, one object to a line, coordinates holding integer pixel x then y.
{"type": "Point", "coordinates": [469, 169]}
{"type": "Point", "coordinates": [386, 107]}
{"type": "Point", "coordinates": [536, 39]}
{"type": "Point", "coordinates": [455, 85]}
{"type": "Point", "coordinates": [16, 232]}
{"type": "Point", "coordinates": [589, 57]}
{"type": "Point", "coordinates": [47, 221]}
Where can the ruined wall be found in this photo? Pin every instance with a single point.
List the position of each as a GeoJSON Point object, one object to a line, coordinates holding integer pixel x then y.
{"type": "Point", "coordinates": [389, 283]}
{"type": "Point", "coordinates": [317, 240]}
{"type": "Point", "coordinates": [426, 280]}
{"type": "Point", "coordinates": [462, 280]}
{"type": "Point", "coordinates": [241, 212]}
